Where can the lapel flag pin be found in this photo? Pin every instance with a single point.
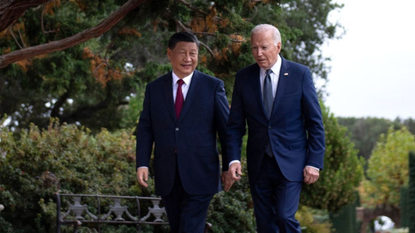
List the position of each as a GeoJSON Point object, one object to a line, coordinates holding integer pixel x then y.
{"type": "Point", "coordinates": [285, 74]}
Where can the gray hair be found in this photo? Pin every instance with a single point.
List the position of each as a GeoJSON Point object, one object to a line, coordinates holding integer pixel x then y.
{"type": "Point", "coordinates": [265, 27]}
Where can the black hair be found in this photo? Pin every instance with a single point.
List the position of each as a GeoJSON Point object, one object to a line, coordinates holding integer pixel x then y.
{"type": "Point", "coordinates": [182, 37]}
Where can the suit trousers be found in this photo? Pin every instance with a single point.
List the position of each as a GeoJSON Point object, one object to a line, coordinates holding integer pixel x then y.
{"type": "Point", "coordinates": [275, 199]}
{"type": "Point", "coordinates": [186, 213]}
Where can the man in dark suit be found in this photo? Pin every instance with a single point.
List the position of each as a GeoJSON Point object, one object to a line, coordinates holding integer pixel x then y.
{"type": "Point", "coordinates": [277, 99]}
{"type": "Point", "coordinates": [183, 112]}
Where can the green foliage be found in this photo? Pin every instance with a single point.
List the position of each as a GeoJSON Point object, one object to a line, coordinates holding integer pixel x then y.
{"type": "Point", "coordinates": [91, 84]}
{"type": "Point", "coordinates": [411, 202]}
{"type": "Point", "coordinates": [233, 212]}
{"type": "Point", "coordinates": [331, 192]}
{"type": "Point", "coordinates": [313, 221]}
{"type": "Point", "coordinates": [410, 124]}
{"type": "Point", "coordinates": [365, 132]}
{"type": "Point", "coordinates": [37, 163]}
{"type": "Point", "coordinates": [388, 168]}
{"type": "Point", "coordinates": [342, 173]}
{"type": "Point", "coordinates": [77, 85]}
{"type": "Point", "coordinates": [304, 27]}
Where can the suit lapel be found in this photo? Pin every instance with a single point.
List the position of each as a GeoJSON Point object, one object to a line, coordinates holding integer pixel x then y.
{"type": "Point", "coordinates": [194, 88]}
{"type": "Point", "coordinates": [282, 82]}
{"type": "Point", "coordinates": [168, 94]}
{"type": "Point", "coordinates": [256, 84]}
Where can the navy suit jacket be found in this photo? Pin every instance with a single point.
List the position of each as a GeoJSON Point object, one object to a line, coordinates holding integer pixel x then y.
{"type": "Point", "coordinates": [188, 143]}
{"type": "Point", "coordinates": [295, 128]}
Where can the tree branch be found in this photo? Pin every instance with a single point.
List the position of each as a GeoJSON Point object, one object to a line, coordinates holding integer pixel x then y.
{"type": "Point", "coordinates": [208, 49]}
{"type": "Point", "coordinates": [191, 7]}
{"type": "Point", "coordinates": [14, 37]}
{"type": "Point", "coordinates": [62, 99]}
{"type": "Point", "coordinates": [71, 41]}
{"type": "Point", "coordinates": [180, 24]}
{"type": "Point", "coordinates": [254, 14]}
{"type": "Point", "coordinates": [43, 26]}
{"type": "Point", "coordinates": [10, 11]}
{"type": "Point", "coordinates": [21, 38]}
{"type": "Point", "coordinates": [206, 33]}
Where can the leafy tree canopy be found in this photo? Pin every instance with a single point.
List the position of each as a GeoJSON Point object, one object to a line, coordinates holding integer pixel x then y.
{"type": "Point", "coordinates": [388, 168]}
{"type": "Point", "coordinates": [365, 132]}
{"type": "Point", "coordinates": [92, 82]}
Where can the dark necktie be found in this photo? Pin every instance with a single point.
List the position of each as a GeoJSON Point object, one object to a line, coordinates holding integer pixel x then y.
{"type": "Point", "coordinates": [267, 94]}
{"type": "Point", "coordinates": [268, 101]}
{"type": "Point", "coordinates": [179, 98]}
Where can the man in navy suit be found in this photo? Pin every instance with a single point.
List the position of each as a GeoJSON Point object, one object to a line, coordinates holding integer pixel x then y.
{"type": "Point", "coordinates": [277, 99]}
{"type": "Point", "coordinates": [183, 112]}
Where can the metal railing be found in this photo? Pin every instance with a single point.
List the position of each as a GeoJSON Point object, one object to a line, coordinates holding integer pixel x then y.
{"type": "Point", "coordinates": [77, 213]}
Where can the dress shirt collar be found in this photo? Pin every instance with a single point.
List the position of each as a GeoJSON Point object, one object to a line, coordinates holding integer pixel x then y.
{"type": "Point", "coordinates": [186, 79]}
{"type": "Point", "coordinates": [276, 68]}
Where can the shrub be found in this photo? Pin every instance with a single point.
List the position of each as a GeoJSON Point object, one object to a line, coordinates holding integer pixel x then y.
{"type": "Point", "coordinates": [34, 164]}
{"type": "Point", "coordinates": [37, 163]}
{"type": "Point", "coordinates": [68, 159]}
{"type": "Point", "coordinates": [342, 172]}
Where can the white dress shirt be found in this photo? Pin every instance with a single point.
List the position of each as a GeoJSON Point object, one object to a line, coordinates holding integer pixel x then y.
{"type": "Point", "coordinates": [275, 75]}
{"type": "Point", "coordinates": [185, 87]}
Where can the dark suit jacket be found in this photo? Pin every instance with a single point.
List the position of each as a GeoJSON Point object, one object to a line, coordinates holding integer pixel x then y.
{"type": "Point", "coordinates": [295, 127]}
{"type": "Point", "coordinates": [193, 135]}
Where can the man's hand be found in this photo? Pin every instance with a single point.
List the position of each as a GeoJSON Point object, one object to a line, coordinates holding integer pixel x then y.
{"type": "Point", "coordinates": [311, 175]}
{"type": "Point", "coordinates": [235, 171]}
{"type": "Point", "coordinates": [142, 176]}
{"type": "Point", "coordinates": [227, 180]}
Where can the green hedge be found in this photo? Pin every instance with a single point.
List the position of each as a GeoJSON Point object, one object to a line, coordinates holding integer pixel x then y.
{"type": "Point", "coordinates": [37, 163]}
{"type": "Point", "coordinates": [34, 164]}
